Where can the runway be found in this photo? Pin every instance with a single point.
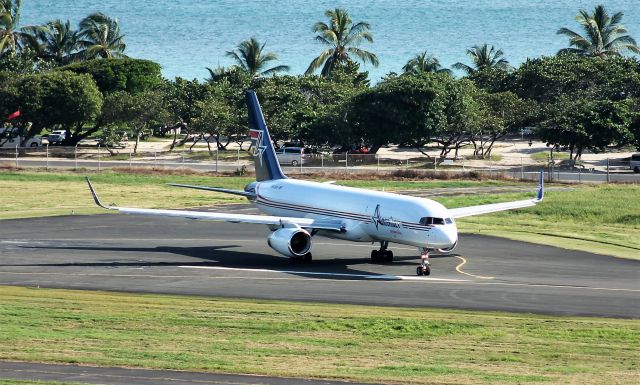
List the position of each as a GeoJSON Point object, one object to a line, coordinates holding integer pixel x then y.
{"type": "Point", "coordinates": [165, 255]}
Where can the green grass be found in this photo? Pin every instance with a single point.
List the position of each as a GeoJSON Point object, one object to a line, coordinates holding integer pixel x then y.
{"type": "Point", "coordinates": [362, 343]}
{"type": "Point", "coordinates": [602, 219]}
{"type": "Point", "coordinates": [543, 156]}
{"type": "Point", "coordinates": [22, 382]}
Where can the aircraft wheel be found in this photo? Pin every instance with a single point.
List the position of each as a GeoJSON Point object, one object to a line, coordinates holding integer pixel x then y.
{"type": "Point", "coordinates": [388, 256]}
{"type": "Point", "coordinates": [427, 271]}
{"type": "Point", "coordinates": [375, 256]}
{"type": "Point", "coordinates": [419, 270]}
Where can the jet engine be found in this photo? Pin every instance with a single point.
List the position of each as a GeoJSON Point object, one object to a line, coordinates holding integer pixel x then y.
{"type": "Point", "coordinates": [290, 241]}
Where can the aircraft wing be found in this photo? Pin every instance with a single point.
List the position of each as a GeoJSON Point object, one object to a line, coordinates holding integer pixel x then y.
{"type": "Point", "coordinates": [495, 207]}
{"type": "Point", "coordinates": [329, 225]}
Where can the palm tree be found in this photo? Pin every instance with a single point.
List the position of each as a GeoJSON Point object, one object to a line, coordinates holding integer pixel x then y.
{"type": "Point", "coordinates": [483, 57]}
{"type": "Point", "coordinates": [342, 37]}
{"type": "Point", "coordinates": [12, 37]}
{"type": "Point", "coordinates": [100, 37]}
{"type": "Point", "coordinates": [58, 41]}
{"type": "Point", "coordinates": [220, 72]}
{"type": "Point", "coordinates": [249, 57]}
{"type": "Point", "coordinates": [424, 62]}
{"type": "Point", "coordinates": [604, 35]}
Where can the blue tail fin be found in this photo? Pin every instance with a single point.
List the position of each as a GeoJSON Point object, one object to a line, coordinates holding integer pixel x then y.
{"type": "Point", "coordinates": [264, 156]}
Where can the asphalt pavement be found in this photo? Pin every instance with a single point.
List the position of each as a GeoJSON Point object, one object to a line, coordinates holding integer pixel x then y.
{"type": "Point", "coordinates": [167, 255]}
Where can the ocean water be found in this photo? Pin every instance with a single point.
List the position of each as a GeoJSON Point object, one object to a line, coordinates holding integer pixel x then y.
{"type": "Point", "coordinates": [185, 36]}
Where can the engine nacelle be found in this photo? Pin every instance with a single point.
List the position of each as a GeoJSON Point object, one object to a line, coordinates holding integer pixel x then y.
{"type": "Point", "coordinates": [290, 241]}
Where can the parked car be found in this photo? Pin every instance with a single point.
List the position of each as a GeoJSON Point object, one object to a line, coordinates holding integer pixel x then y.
{"type": "Point", "coordinates": [57, 136]}
{"type": "Point", "coordinates": [9, 138]}
{"type": "Point", "coordinates": [293, 156]}
{"type": "Point", "coordinates": [355, 153]}
{"type": "Point", "coordinates": [634, 164]}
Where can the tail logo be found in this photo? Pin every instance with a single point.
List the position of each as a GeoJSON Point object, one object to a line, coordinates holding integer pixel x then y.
{"type": "Point", "coordinates": [257, 148]}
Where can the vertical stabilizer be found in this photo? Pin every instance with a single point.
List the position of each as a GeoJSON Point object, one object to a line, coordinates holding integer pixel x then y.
{"type": "Point", "coordinates": [264, 156]}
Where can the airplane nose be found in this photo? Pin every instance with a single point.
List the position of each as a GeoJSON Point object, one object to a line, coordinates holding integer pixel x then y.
{"type": "Point", "coordinates": [447, 236]}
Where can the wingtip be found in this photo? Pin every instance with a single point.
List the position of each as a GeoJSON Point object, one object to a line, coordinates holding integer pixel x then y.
{"type": "Point", "coordinates": [540, 195]}
{"type": "Point", "coordinates": [95, 195]}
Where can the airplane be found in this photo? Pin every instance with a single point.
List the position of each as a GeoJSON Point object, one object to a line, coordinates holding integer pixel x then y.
{"type": "Point", "coordinates": [298, 210]}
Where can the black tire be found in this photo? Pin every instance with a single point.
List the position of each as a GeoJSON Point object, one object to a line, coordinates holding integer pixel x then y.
{"type": "Point", "coordinates": [294, 163]}
{"type": "Point", "coordinates": [375, 256]}
{"type": "Point", "coordinates": [427, 271]}
{"type": "Point", "coordinates": [388, 256]}
{"type": "Point", "coordinates": [33, 145]}
{"type": "Point", "coordinates": [636, 170]}
{"type": "Point", "coordinates": [419, 270]}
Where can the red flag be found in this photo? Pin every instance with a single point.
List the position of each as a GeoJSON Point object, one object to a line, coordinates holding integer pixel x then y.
{"type": "Point", "coordinates": [14, 115]}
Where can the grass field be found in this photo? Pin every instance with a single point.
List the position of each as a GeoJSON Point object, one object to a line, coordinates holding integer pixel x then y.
{"type": "Point", "coordinates": [362, 343]}
{"type": "Point", "coordinates": [603, 219]}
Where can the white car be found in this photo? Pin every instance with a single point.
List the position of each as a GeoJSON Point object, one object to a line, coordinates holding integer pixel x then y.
{"type": "Point", "coordinates": [9, 138]}
{"type": "Point", "coordinates": [293, 156]}
{"type": "Point", "coordinates": [57, 136]}
{"type": "Point", "coordinates": [634, 164]}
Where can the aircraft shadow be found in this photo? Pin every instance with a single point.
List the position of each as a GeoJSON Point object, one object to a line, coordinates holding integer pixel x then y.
{"type": "Point", "coordinates": [225, 257]}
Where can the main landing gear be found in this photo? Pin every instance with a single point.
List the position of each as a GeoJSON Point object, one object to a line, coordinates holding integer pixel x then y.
{"type": "Point", "coordinates": [383, 255]}
{"type": "Point", "coordinates": [425, 266]}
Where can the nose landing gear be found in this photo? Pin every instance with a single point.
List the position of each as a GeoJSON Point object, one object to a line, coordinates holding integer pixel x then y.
{"type": "Point", "coordinates": [425, 266]}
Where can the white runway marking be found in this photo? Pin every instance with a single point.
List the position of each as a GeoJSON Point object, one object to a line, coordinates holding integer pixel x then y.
{"type": "Point", "coordinates": [365, 276]}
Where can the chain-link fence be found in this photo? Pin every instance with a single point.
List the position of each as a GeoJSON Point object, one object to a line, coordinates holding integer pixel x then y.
{"type": "Point", "coordinates": [559, 168]}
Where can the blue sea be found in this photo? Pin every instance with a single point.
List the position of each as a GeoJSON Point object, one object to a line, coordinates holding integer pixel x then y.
{"type": "Point", "coordinates": [185, 36]}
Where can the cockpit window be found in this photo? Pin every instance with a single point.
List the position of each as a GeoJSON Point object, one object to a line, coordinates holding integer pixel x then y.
{"type": "Point", "coordinates": [449, 221]}
{"type": "Point", "coordinates": [432, 221]}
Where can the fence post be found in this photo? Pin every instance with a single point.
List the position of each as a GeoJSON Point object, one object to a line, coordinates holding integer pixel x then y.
{"type": "Point", "coordinates": [238, 162]}
{"type": "Point", "coordinates": [130, 156]}
{"type": "Point", "coordinates": [155, 158]}
{"type": "Point", "coordinates": [98, 158]}
{"type": "Point", "coordinates": [217, 151]}
{"type": "Point", "coordinates": [301, 151]}
{"type": "Point", "coordinates": [75, 158]}
{"type": "Point", "coordinates": [346, 159]}
{"type": "Point", "coordinates": [16, 156]}
{"type": "Point", "coordinates": [47, 168]}
{"type": "Point", "coordinates": [407, 166]}
{"type": "Point", "coordinates": [608, 180]}
{"type": "Point", "coordinates": [322, 161]}
{"type": "Point", "coordinates": [378, 161]}
{"type": "Point", "coordinates": [521, 168]}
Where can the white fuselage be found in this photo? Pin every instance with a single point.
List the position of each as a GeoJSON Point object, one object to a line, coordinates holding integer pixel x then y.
{"type": "Point", "coordinates": [368, 216]}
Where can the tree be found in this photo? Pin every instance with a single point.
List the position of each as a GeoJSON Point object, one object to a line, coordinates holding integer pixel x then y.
{"type": "Point", "coordinates": [58, 42]}
{"type": "Point", "coordinates": [250, 58]}
{"type": "Point", "coordinates": [136, 111]}
{"type": "Point", "coordinates": [216, 117]}
{"type": "Point", "coordinates": [343, 38]}
{"type": "Point", "coordinates": [12, 37]}
{"type": "Point", "coordinates": [547, 78]}
{"type": "Point", "coordinates": [505, 113]}
{"type": "Point", "coordinates": [577, 122]}
{"type": "Point", "coordinates": [603, 35]}
{"type": "Point", "coordinates": [61, 100]}
{"type": "Point", "coordinates": [131, 75]}
{"type": "Point", "coordinates": [100, 37]}
{"type": "Point", "coordinates": [406, 109]}
{"type": "Point", "coordinates": [424, 62]}
{"type": "Point", "coordinates": [483, 57]}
